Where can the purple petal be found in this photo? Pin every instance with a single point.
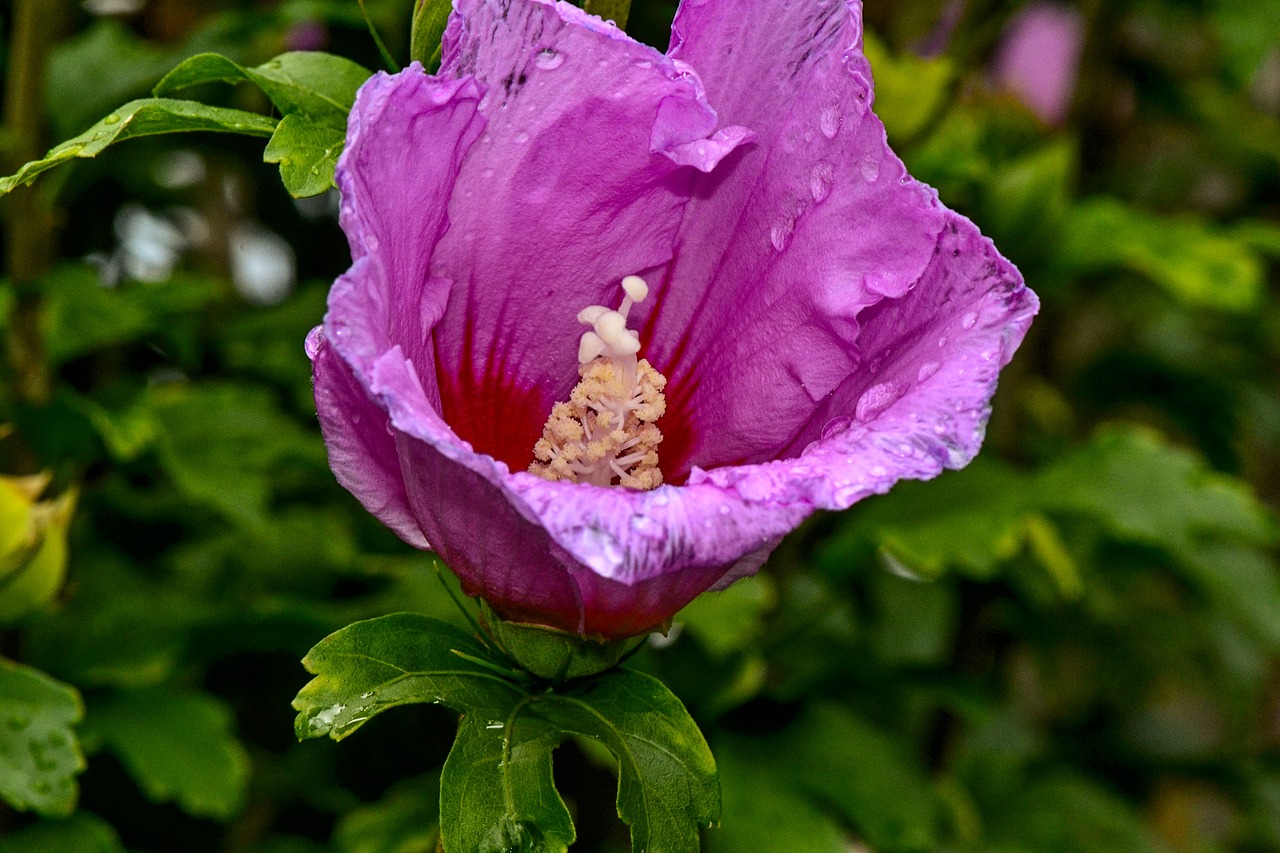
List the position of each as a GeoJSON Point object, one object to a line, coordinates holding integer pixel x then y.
{"type": "Point", "coordinates": [757, 320]}
{"type": "Point", "coordinates": [920, 402]}
{"type": "Point", "coordinates": [362, 452]}
{"type": "Point", "coordinates": [576, 182]}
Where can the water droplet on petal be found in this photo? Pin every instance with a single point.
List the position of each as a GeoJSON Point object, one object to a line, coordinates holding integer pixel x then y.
{"type": "Point", "coordinates": [835, 426]}
{"type": "Point", "coordinates": [875, 400]}
{"type": "Point", "coordinates": [870, 168]}
{"type": "Point", "coordinates": [926, 370]}
{"type": "Point", "coordinates": [549, 59]}
{"type": "Point", "coordinates": [821, 179]}
{"type": "Point", "coordinates": [724, 509]}
{"type": "Point", "coordinates": [969, 320]}
{"type": "Point", "coordinates": [942, 342]}
{"type": "Point", "coordinates": [829, 122]}
{"type": "Point", "coordinates": [781, 230]}
{"type": "Point", "coordinates": [521, 138]}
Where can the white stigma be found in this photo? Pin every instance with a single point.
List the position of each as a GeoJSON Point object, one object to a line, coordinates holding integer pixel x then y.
{"type": "Point", "coordinates": [605, 433]}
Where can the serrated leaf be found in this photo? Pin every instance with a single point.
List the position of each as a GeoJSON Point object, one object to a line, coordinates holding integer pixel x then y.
{"type": "Point", "coordinates": [318, 85]}
{"type": "Point", "coordinates": [371, 666]}
{"type": "Point", "coordinates": [667, 785]}
{"type": "Point", "coordinates": [39, 754]}
{"type": "Point", "coordinates": [144, 117]}
{"type": "Point", "coordinates": [497, 791]}
{"type": "Point", "coordinates": [178, 747]}
{"type": "Point", "coordinates": [307, 152]}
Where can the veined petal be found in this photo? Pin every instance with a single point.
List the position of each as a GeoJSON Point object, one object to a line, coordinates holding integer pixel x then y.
{"type": "Point", "coordinates": [921, 400]}
{"type": "Point", "coordinates": [577, 181]}
{"type": "Point", "coordinates": [406, 138]}
{"type": "Point", "coordinates": [362, 452]}
{"type": "Point", "coordinates": [807, 227]}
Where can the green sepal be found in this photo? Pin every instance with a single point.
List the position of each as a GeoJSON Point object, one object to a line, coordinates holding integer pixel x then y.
{"type": "Point", "coordinates": [557, 655]}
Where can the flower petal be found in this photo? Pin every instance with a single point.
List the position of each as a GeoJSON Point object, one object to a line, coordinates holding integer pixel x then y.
{"type": "Point", "coordinates": [920, 401]}
{"type": "Point", "coordinates": [362, 452]}
{"type": "Point", "coordinates": [406, 137]}
{"type": "Point", "coordinates": [576, 182]}
{"type": "Point", "coordinates": [807, 227]}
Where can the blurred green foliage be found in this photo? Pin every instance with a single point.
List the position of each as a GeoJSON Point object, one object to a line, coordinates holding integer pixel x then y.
{"type": "Point", "coordinates": [1072, 645]}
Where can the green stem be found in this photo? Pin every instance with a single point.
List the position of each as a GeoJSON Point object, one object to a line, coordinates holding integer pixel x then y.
{"type": "Point", "coordinates": [29, 226]}
{"type": "Point", "coordinates": [387, 58]}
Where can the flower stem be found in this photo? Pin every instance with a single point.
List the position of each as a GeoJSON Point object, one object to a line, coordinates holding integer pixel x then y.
{"type": "Point", "coordinates": [29, 225]}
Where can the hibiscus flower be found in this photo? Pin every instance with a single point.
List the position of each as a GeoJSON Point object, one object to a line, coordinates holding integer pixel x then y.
{"type": "Point", "coordinates": [819, 324]}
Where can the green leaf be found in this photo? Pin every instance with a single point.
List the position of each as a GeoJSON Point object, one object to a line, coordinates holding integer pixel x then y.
{"type": "Point", "coordinates": [763, 813]}
{"type": "Point", "coordinates": [610, 10]}
{"type": "Point", "coordinates": [838, 759]}
{"type": "Point", "coordinates": [225, 445]}
{"type": "Point", "coordinates": [307, 152]}
{"type": "Point", "coordinates": [667, 785]}
{"type": "Point", "coordinates": [972, 519]}
{"type": "Point", "coordinates": [368, 667]}
{"type": "Point", "coordinates": [1144, 490]}
{"type": "Point", "coordinates": [497, 792]}
{"type": "Point", "coordinates": [429, 20]}
{"type": "Point", "coordinates": [81, 833]}
{"type": "Point", "coordinates": [145, 117]}
{"type": "Point", "coordinates": [1192, 261]}
{"type": "Point", "coordinates": [178, 747]}
{"type": "Point", "coordinates": [909, 89]}
{"type": "Point", "coordinates": [405, 820]}
{"type": "Point", "coordinates": [1099, 819]}
{"type": "Point", "coordinates": [730, 620]}
{"type": "Point", "coordinates": [320, 86]}
{"type": "Point", "coordinates": [105, 65]}
{"type": "Point", "coordinates": [39, 755]}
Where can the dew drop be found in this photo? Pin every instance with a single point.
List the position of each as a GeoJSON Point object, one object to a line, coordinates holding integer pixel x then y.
{"type": "Point", "coordinates": [111, 119]}
{"type": "Point", "coordinates": [870, 169]}
{"type": "Point", "coordinates": [878, 471]}
{"type": "Point", "coordinates": [724, 509]}
{"type": "Point", "coordinates": [642, 63]}
{"type": "Point", "coordinates": [969, 320]}
{"type": "Point", "coordinates": [829, 122]}
{"type": "Point", "coordinates": [942, 342]}
{"type": "Point", "coordinates": [926, 370]}
{"type": "Point", "coordinates": [781, 230]}
{"type": "Point", "coordinates": [835, 426]}
{"type": "Point", "coordinates": [821, 179]}
{"type": "Point", "coordinates": [521, 138]}
{"type": "Point", "coordinates": [549, 59]}
{"type": "Point", "coordinates": [875, 400]}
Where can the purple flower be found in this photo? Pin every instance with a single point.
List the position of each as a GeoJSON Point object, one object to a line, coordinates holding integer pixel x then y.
{"type": "Point", "coordinates": [1039, 56]}
{"type": "Point", "coordinates": [825, 326]}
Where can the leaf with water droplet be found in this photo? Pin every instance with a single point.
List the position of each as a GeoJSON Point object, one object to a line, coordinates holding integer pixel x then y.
{"type": "Point", "coordinates": [307, 152]}
{"type": "Point", "coordinates": [398, 660]}
{"type": "Point", "coordinates": [39, 754]}
{"type": "Point", "coordinates": [667, 783]}
{"type": "Point", "coordinates": [144, 117]}
{"type": "Point", "coordinates": [497, 794]}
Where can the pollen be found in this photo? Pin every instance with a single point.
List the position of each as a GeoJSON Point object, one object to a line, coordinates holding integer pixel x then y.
{"type": "Point", "coordinates": [606, 433]}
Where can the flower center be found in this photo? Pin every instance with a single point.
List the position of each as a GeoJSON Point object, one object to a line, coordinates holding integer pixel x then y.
{"type": "Point", "coordinates": [605, 435]}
